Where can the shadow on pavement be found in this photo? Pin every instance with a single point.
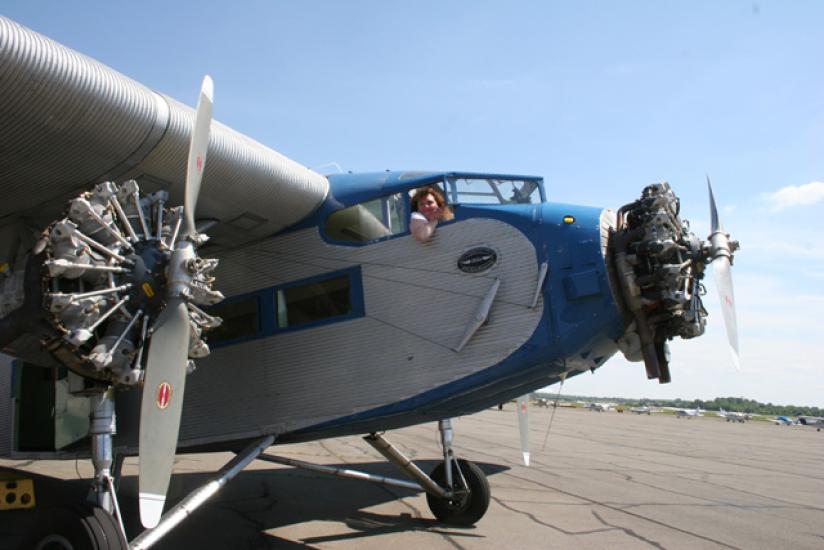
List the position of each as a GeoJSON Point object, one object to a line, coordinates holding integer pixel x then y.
{"type": "Point", "coordinates": [256, 501]}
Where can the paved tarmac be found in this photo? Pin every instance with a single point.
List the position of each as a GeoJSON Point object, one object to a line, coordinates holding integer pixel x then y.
{"type": "Point", "coordinates": [605, 480]}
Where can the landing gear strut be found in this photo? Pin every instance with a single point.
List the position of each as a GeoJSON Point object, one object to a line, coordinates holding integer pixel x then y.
{"type": "Point", "coordinates": [466, 483]}
{"type": "Point", "coordinates": [457, 490]}
{"type": "Point", "coordinates": [97, 524]}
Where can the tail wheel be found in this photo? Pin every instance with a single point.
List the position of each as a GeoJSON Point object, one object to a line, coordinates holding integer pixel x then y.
{"type": "Point", "coordinates": [468, 506]}
{"type": "Point", "coordinates": [78, 528]}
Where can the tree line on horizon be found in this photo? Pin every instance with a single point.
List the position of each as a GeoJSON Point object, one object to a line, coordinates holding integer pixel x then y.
{"type": "Point", "coordinates": [734, 404]}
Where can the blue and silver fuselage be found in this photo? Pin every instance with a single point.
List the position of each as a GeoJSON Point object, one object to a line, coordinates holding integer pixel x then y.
{"type": "Point", "coordinates": [399, 348]}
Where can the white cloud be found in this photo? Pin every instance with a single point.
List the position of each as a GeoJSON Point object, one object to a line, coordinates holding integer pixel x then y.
{"type": "Point", "coordinates": [796, 195]}
{"type": "Point", "coordinates": [795, 245]}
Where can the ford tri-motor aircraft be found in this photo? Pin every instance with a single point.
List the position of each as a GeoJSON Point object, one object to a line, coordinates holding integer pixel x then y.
{"type": "Point", "coordinates": [105, 300]}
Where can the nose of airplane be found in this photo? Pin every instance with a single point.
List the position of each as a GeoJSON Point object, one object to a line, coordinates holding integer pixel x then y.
{"type": "Point", "coordinates": [586, 320]}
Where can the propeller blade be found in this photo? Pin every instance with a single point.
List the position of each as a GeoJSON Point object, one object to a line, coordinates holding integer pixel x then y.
{"type": "Point", "coordinates": [723, 281]}
{"type": "Point", "coordinates": [197, 153]}
{"type": "Point", "coordinates": [161, 407]}
{"type": "Point", "coordinates": [523, 425]}
{"type": "Point", "coordinates": [714, 223]}
{"type": "Point", "coordinates": [721, 257]}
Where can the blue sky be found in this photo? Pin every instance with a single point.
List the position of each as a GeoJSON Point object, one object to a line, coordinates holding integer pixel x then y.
{"type": "Point", "coordinates": [600, 98]}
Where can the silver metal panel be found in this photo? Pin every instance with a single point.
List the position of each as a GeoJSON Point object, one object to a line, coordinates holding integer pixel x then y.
{"type": "Point", "coordinates": [417, 306]}
{"type": "Point", "coordinates": [69, 121]}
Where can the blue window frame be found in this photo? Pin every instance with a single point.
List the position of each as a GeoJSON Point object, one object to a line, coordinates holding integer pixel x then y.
{"type": "Point", "coordinates": [298, 305]}
{"type": "Point", "coordinates": [319, 300]}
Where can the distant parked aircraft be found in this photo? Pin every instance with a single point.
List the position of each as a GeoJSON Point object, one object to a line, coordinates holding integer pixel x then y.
{"type": "Point", "coordinates": [688, 413]}
{"type": "Point", "coordinates": [732, 416]}
{"type": "Point", "coordinates": [641, 410]}
{"type": "Point", "coordinates": [816, 421]}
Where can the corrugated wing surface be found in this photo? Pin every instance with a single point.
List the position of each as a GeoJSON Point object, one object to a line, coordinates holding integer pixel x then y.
{"type": "Point", "coordinates": [69, 121]}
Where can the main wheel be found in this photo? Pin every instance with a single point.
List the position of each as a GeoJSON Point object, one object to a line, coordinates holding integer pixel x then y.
{"type": "Point", "coordinates": [78, 528]}
{"type": "Point", "coordinates": [464, 509]}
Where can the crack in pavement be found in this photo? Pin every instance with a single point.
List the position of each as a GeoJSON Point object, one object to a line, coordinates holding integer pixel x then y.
{"type": "Point", "coordinates": [633, 514]}
{"type": "Point", "coordinates": [629, 532]}
{"type": "Point", "coordinates": [535, 519]}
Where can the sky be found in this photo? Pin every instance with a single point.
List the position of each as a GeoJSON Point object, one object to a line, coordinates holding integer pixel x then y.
{"type": "Point", "coordinates": [600, 98]}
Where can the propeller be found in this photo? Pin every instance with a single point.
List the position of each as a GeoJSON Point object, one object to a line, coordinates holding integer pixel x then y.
{"type": "Point", "coordinates": [523, 425]}
{"type": "Point", "coordinates": [167, 361]}
{"type": "Point", "coordinates": [721, 249]}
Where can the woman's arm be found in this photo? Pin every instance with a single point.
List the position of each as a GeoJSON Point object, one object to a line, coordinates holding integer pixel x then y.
{"type": "Point", "coordinates": [421, 228]}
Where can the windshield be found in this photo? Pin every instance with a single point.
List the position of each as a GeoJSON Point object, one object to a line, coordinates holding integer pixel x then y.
{"type": "Point", "coordinates": [480, 190]}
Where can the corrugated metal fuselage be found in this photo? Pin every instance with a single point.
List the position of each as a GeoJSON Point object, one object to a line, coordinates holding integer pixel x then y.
{"type": "Point", "coordinates": [397, 363]}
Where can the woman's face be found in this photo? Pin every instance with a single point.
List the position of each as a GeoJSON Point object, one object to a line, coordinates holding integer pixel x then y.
{"type": "Point", "coordinates": [428, 206]}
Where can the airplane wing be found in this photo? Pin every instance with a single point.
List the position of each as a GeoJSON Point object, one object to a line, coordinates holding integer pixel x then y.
{"type": "Point", "coordinates": [70, 122]}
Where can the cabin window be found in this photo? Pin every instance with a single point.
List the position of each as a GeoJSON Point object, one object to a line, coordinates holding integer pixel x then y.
{"type": "Point", "coordinates": [326, 298]}
{"type": "Point", "coordinates": [368, 221]}
{"type": "Point", "coordinates": [240, 319]}
{"type": "Point", "coordinates": [480, 190]}
{"type": "Point", "coordinates": [313, 301]}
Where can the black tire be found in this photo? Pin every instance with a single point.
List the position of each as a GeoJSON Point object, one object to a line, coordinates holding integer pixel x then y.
{"type": "Point", "coordinates": [468, 509]}
{"type": "Point", "coordinates": [82, 527]}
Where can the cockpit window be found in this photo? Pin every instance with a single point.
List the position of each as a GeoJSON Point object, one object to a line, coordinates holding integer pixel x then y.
{"type": "Point", "coordinates": [368, 221]}
{"type": "Point", "coordinates": [478, 190]}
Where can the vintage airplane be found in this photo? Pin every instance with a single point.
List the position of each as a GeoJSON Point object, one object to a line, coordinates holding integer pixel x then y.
{"type": "Point", "coordinates": [645, 409]}
{"type": "Point", "coordinates": [104, 299]}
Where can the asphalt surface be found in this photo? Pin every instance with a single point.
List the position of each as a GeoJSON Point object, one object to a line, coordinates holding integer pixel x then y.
{"type": "Point", "coordinates": [604, 480]}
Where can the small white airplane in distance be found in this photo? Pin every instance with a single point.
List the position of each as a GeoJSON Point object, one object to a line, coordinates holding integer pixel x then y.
{"type": "Point", "coordinates": [785, 421]}
{"type": "Point", "coordinates": [732, 416]}
{"type": "Point", "coordinates": [816, 421]}
{"type": "Point", "coordinates": [641, 410]}
{"type": "Point", "coordinates": [688, 413]}
{"type": "Point", "coordinates": [598, 407]}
